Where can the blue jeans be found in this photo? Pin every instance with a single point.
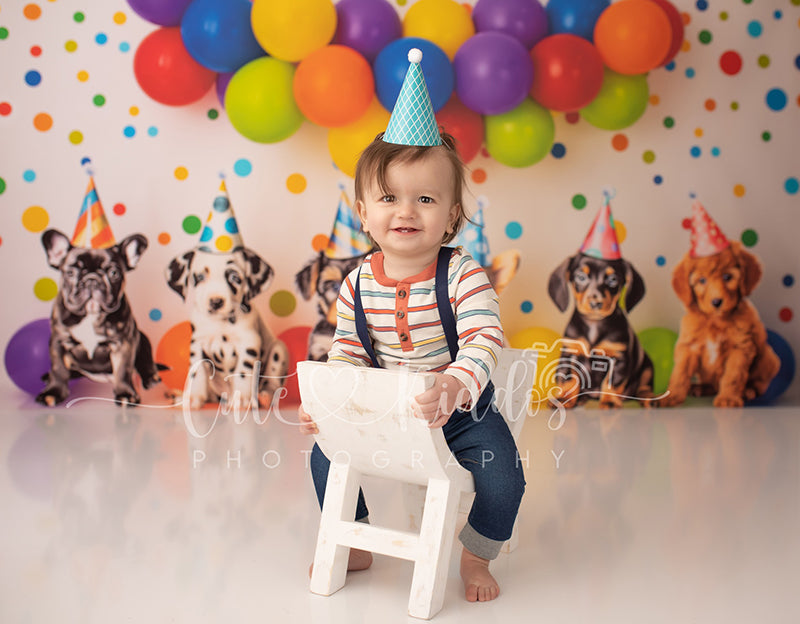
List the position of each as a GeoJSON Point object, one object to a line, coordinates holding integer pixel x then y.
{"type": "Point", "coordinates": [481, 442]}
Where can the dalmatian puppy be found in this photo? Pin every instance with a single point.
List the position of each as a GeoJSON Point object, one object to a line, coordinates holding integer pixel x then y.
{"type": "Point", "coordinates": [235, 358]}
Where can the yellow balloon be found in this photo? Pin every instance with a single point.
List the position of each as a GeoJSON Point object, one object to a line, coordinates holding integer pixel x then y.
{"type": "Point", "coordinates": [446, 23]}
{"type": "Point", "coordinates": [346, 143]}
{"type": "Point", "coordinates": [290, 30]}
{"type": "Point", "coordinates": [548, 343]}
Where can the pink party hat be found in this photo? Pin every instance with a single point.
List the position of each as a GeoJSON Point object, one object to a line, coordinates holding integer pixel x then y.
{"type": "Point", "coordinates": [346, 239]}
{"type": "Point", "coordinates": [707, 239]}
{"type": "Point", "coordinates": [601, 241]}
{"type": "Point", "coordinates": [92, 229]}
{"type": "Point", "coordinates": [221, 231]}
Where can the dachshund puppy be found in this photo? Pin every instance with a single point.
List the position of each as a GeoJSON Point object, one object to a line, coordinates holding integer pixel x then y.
{"type": "Point", "coordinates": [722, 344]}
{"type": "Point", "coordinates": [599, 322]}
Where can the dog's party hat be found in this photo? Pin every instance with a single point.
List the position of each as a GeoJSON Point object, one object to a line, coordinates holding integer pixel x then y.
{"type": "Point", "coordinates": [221, 231]}
{"type": "Point", "coordinates": [601, 241]}
{"type": "Point", "coordinates": [92, 229]}
{"type": "Point", "coordinates": [412, 121]}
{"type": "Point", "coordinates": [707, 238]}
{"type": "Point", "coordinates": [473, 239]}
{"type": "Point", "coordinates": [346, 240]}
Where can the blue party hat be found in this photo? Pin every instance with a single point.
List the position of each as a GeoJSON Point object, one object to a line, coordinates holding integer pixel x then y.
{"type": "Point", "coordinates": [221, 231]}
{"type": "Point", "coordinates": [347, 239]}
{"type": "Point", "coordinates": [473, 239]}
{"type": "Point", "coordinates": [412, 121]}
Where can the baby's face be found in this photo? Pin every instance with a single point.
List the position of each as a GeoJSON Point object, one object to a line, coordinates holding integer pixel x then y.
{"type": "Point", "coordinates": [418, 208]}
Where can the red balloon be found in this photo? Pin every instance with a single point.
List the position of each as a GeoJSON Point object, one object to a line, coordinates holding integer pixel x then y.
{"type": "Point", "coordinates": [567, 72]}
{"type": "Point", "coordinates": [464, 124]}
{"type": "Point", "coordinates": [167, 73]}
{"type": "Point", "coordinates": [676, 21]}
{"type": "Point", "coordinates": [296, 340]}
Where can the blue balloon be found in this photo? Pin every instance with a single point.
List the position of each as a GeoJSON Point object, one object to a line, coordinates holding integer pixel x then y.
{"type": "Point", "coordinates": [575, 17]}
{"type": "Point", "coordinates": [218, 34]}
{"type": "Point", "coordinates": [783, 379]}
{"type": "Point", "coordinates": [391, 65]}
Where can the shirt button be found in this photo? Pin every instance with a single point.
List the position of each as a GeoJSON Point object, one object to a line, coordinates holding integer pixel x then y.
{"type": "Point", "coordinates": [401, 294]}
{"type": "Point", "coordinates": [400, 314]}
{"type": "Point", "coordinates": [403, 338]}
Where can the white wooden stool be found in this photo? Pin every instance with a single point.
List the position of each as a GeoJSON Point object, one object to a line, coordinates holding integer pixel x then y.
{"type": "Point", "coordinates": [366, 427]}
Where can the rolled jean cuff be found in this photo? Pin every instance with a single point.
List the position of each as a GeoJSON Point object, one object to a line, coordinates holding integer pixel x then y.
{"type": "Point", "coordinates": [479, 545]}
{"type": "Point", "coordinates": [365, 519]}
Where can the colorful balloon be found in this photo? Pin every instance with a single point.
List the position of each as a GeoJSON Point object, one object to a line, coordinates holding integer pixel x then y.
{"type": "Point", "coordinates": [346, 143]}
{"type": "Point", "coordinates": [525, 20]}
{"type": "Point", "coordinates": [446, 23]}
{"type": "Point", "coordinates": [676, 22]}
{"type": "Point", "coordinates": [575, 17]}
{"type": "Point", "coordinates": [493, 73]}
{"type": "Point", "coordinates": [621, 102]}
{"type": "Point", "coordinates": [367, 26]}
{"type": "Point", "coordinates": [174, 351]}
{"type": "Point", "coordinates": [465, 125]}
{"type": "Point", "coordinates": [520, 137]}
{"type": "Point", "coordinates": [659, 344]}
{"type": "Point", "coordinates": [27, 356]}
{"type": "Point", "coordinates": [296, 341]}
{"type": "Point", "coordinates": [221, 85]}
{"type": "Point", "coordinates": [567, 72]}
{"type": "Point", "coordinates": [781, 382]}
{"type": "Point", "coordinates": [218, 35]}
{"type": "Point", "coordinates": [333, 86]}
{"type": "Point", "coordinates": [290, 30]}
{"type": "Point", "coordinates": [166, 71]}
{"type": "Point", "coordinates": [260, 102]}
{"type": "Point", "coordinates": [549, 352]}
{"type": "Point", "coordinates": [161, 12]}
{"type": "Point", "coordinates": [633, 36]}
{"type": "Point", "coordinates": [391, 66]}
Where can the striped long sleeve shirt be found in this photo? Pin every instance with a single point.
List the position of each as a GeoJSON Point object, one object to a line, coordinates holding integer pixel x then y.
{"type": "Point", "coordinates": [403, 321]}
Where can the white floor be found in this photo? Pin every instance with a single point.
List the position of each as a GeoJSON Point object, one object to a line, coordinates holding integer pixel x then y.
{"type": "Point", "coordinates": [674, 516]}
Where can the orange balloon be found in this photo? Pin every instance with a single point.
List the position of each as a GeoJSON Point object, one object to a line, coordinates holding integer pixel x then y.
{"type": "Point", "coordinates": [633, 36]}
{"type": "Point", "coordinates": [174, 351]}
{"type": "Point", "coordinates": [346, 143]}
{"type": "Point", "coordinates": [333, 86]}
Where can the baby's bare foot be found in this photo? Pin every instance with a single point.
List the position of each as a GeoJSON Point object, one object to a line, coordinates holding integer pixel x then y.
{"type": "Point", "coordinates": [358, 560]}
{"type": "Point", "coordinates": [479, 584]}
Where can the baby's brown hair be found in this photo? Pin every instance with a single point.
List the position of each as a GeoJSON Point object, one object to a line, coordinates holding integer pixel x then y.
{"type": "Point", "coordinates": [378, 155]}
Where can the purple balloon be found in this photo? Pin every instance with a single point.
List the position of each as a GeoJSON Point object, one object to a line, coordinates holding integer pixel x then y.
{"type": "Point", "coordinates": [525, 20]}
{"type": "Point", "coordinates": [27, 356]}
{"type": "Point", "coordinates": [222, 86]}
{"type": "Point", "coordinates": [494, 73]}
{"type": "Point", "coordinates": [161, 12]}
{"type": "Point", "coordinates": [367, 26]}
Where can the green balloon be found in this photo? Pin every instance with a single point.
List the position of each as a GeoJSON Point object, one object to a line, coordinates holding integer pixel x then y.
{"type": "Point", "coordinates": [659, 344]}
{"type": "Point", "coordinates": [522, 136]}
{"type": "Point", "coordinates": [620, 103]}
{"type": "Point", "coordinates": [260, 102]}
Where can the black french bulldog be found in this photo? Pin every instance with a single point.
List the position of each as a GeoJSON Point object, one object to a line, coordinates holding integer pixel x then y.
{"type": "Point", "coordinates": [92, 329]}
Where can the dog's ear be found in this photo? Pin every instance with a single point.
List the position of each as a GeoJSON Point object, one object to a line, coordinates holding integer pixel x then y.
{"type": "Point", "coordinates": [558, 285]}
{"type": "Point", "coordinates": [751, 268]}
{"type": "Point", "coordinates": [177, 273]}
{"type": "Point", "coordinates": [680, 280]}
{"type": "Point", "coordinates": [504, 266]}
{"type": "Point", "coordinates": [131, 249]}
{"type": "Point", "coordinates": [634, 290]}
{"type": "Point", "coordinates": [57, 246]}
{"type": "Point", "coordinates": [308, 277]}
{"type": "Point", "coordinates": [257, 272]}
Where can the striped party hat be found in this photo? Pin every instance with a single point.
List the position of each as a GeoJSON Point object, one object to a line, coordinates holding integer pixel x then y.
{"type": "Point", "coordinates": [601, 241]}
{"type": "Point", "coordinates": [347, 239]}
{"type": "Point", "coordinates": [707, 239]}
{"type": "Point", "coordinates": [92, 229]}
{"type": "Point", "coordinates": [412, 121]}
{"type": "Point", "coordinates": [221, 231]}
{"type": "Point", "coordinates": [473, 239]}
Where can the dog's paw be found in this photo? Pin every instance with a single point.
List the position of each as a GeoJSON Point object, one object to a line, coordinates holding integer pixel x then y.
{"type": "Point", "coordinates": [127, 398]}
{"type": "Point", "coordinates": [52, 396]}
{"type": "Point", "coordinates": [671, 400]}
{"type": "Point", "coordinates": [610, 402]}
{"type": "Point", "coordinates": [728, 400]}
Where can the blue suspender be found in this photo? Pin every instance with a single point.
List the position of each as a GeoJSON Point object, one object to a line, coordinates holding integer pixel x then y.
{"type": "Point", "coordinates": [442, 303]}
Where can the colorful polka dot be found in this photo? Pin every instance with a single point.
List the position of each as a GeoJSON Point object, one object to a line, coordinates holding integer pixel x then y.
{"type": "Point", "coordinates": [99, 100]}
{"type": "Point", "coordinates": [192, 224]}
{"type": "Point", "coordinates": [5, 109]}
{"type": "Point", "coordinates": [710, 104]}
{"type": "Point", "coordinates": [658, 179]}
{"type": "Point", "coordinates": [282, 303]}
{"type": "Point", "coordinates": [739, 190]}
{"type": "Point", "coordinates": [579, 202]}
{"type": "Point", "coordinates": [243, 167]}
{"type": "Point", "coordinates": [155, 315]}
{"type": "Point", "coordinates": [619, 142]}
{"type": "Point", "coordinates": [35, 219]}
{"type": "Point", "coordinates": [776, 99]}
{"type": "Point", "coordinates": [766, 136]}
{"type": "Point", "coordinates": [181, 173]}
{"type": "Point", "coordinates": [45, 289]}
{"type": "Point", "coordinates": [661, 261]}
{"type": "Point", "coordinates": [71, 46]}
{"type": "Point", "coordinates": [83, 75]}
{"type": "Point", "coordinates": [791, 186]}
{"type": "Point", "coordinates": [213, 113]}
{"type": "Point", "coordinates": [32, 11]}
{"type": "Point", "coordinates": [42, 122]}
{"type": "Point", "coordinates": [788, 280]}
{"type": "Point", "coordinates": [124, 46]}
{"type": "Point", "coordinates": [119, 209]}
{"type": "Point", "coordinates": [152, 131]}
{"type": "Point", "coordinates": [763, 61]}
{"type": "Point", "coordinates": [33, 78]}
{"type": "Point", "coordinates": [164, 238]}
{"type": "Point", "coordinates": [36, 50]}
{"type": "Point", "coordinates": [695, 151]}
{"type": "Point", "coordinates": [79, 17]}
{"type": "Point", "coordinates": [130, 132]}
{"type": "Point", "coordinates": [621, 231]}
{"type": "Point", "coordinates": [478, 176]}
{"type": "Point", "coordinates": [76, 137]}
{"type": "Point", "coordinates": [3, 33]}
{"type": "Point", "coordinates": [649, 156]}
{"type": "Point", "coordinates": [669, 122]}
{"type": "Point", "coordinates": [526, 307]}
{"type": "Point", "coordinates": [119, 17]}
{"type": "Point", "coordinates": [749, 238]}
{"type": "Point", "coordinates": [754, 28]}
{"type": "Point", "coordinates": [558, 150]}
{"type": "Point", "coordinates": [223, 243]}
{"type": "Point", "coordinates": [2, 186]}
{"type": "Point", "coordinates": [296, 183]}
{"type": "Point", "coordinates": [320, 242]}
{"type": "Point", "coordinates": [730, 62]}
{"type": "Point", "coordinates": [514, 230]}
{"type": "Point", "coordinates": [29, 175]}
{"type": "Point", "coordinates": [133, 111]}
{"type": "Point", "coordinates": [704, 36]}
{"type": "Point", "coordinates": [101, 38]}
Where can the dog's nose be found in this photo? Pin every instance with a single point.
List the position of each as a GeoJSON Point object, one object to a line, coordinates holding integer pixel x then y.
{"type": "Point", "coordinates": [716, 302]}
{"type": "Point", "coordinates": [215, 303]}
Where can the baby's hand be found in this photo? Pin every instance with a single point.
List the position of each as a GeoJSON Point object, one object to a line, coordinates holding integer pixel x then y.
{"type": "Point", "coordinates": [307, 426]}
{"type": "Point", "coordinates": [438, 402]}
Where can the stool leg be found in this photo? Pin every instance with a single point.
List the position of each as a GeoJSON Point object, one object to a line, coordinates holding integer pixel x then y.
{"type": "Point", "coordinates": [330, 558]}
{"type": "Point", "coordinates": [435, 544]}
{"type": "Point", "coordinates": [414, 503]}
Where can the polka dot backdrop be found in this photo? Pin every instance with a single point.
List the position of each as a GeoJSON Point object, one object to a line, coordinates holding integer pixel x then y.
{"type": "Point", "coordinates": [720, 122]}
